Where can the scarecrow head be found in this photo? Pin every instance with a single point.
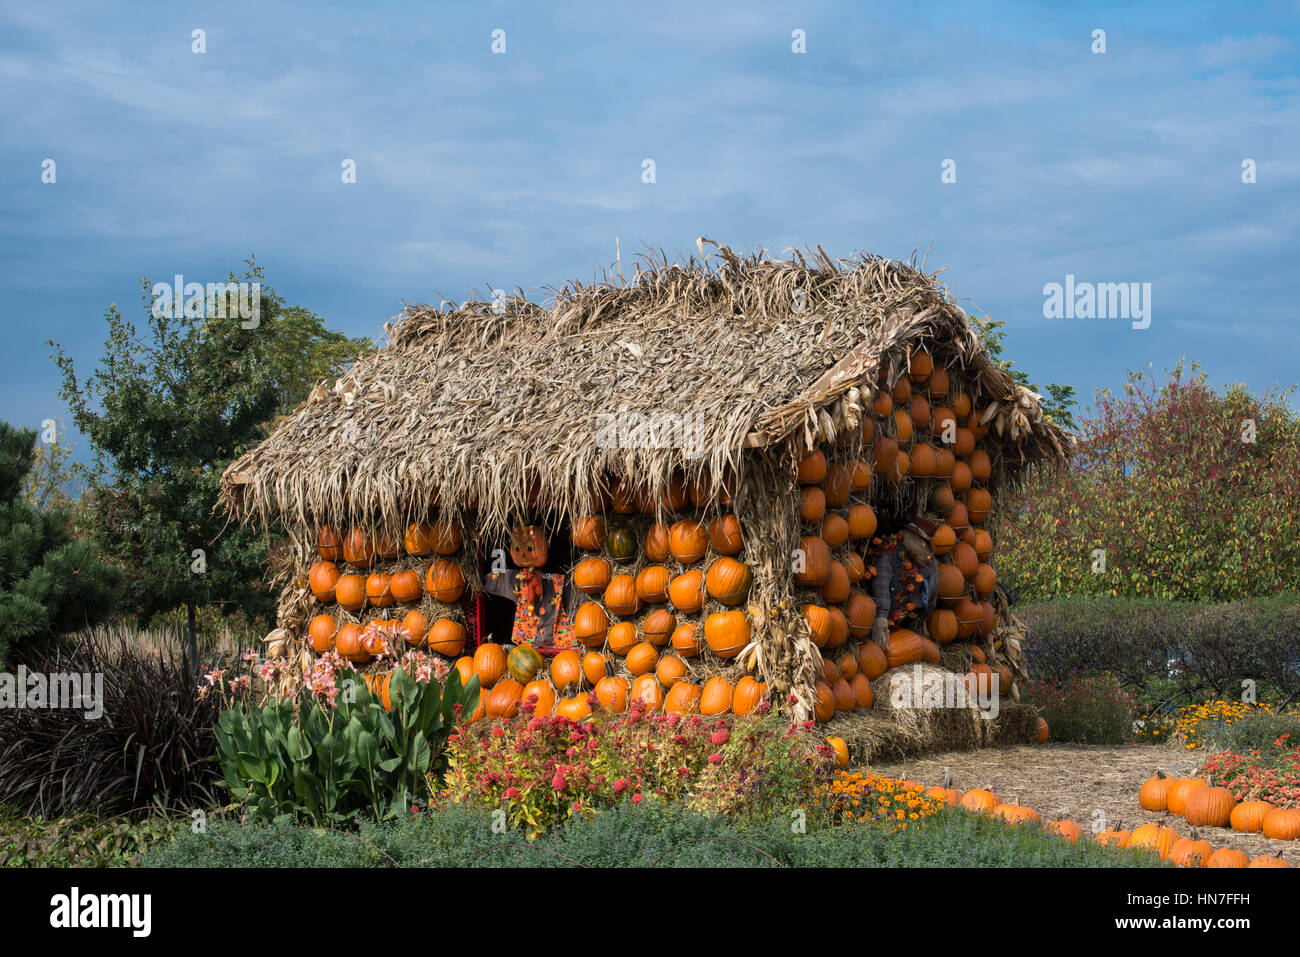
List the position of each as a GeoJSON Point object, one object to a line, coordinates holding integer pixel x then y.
{"type": "Point", "coordinates": [915, 537]}
{"type": "Point", "coordinates": [528, 546]}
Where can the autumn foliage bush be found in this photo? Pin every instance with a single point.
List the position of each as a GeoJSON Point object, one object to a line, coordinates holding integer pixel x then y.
{"type": "Point", "coordinates": [1188, 491]}
{"type": "Point", "coordinates": [1085, 708]}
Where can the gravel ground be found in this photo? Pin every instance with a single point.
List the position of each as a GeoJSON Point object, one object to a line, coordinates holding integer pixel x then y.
{"type": "Point", "coordinates": [1077, 781]}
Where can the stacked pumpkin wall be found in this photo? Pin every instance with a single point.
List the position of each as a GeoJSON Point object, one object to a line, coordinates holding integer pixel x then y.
{"type": "Point", "coordinates": [367, 590]}
{"type": "Point", "coordinates": [664, 614]}
{"type": "Point", "coordinates": [912, 441]}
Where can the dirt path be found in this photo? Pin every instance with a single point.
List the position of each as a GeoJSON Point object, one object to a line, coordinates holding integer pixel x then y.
{"type": "Point", "coordinates": [1076, 781]}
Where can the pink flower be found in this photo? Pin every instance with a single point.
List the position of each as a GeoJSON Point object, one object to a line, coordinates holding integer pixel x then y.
{"type": "Point", "coordinates": [720, 737]}
{"type": "Point", "coordinates": [558, 782]}
{"type": "Point", "coordinates": [715, 758]}
{"type": "Point", "coordinates": [498, 732]}
{"type": "Point", "coordinates": [512, 793]}
{"type": "Point", "coordinates": [620, 785]}
{"type": "Point", "coordinates": [636, 799]}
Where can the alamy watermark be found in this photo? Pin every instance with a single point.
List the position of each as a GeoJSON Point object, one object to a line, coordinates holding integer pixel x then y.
{"type": "Point", "coordinates": [35, 689]}
{"type": "Point", "coordinates": [216, 300]}
{"type": "Point", "coordinates": [1103, 300]}
{"type": "Point", "coordinates": [651, 430]}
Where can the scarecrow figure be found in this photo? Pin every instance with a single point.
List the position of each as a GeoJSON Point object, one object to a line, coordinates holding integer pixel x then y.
{"type": "Point", "coordinates": [906, 577]}
{"type": "Point", "coordinates": [543, 601]}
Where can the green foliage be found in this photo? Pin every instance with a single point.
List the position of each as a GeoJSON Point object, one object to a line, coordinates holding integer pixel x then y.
{"type": "Point", "coordinates": [652, 834]}
{"type": "Point", "coordinates": [301, 759]}
{"type": "Point", "coordinates": [150, 747]}
{"type": "Point", "coordinates": [49, 581]}
{"type": "Point", "coordinates": [1214, 647]}
{"type": "Point", "coordinates": [1059, 402]}
{"type": "Point", "coordinates": [1086, 708]}
{"type": "Point", "coordinates": [1181, 491]}
{"type": "Point", "coordinates": [83, 841]}
{"type": "Point", "coordinates": [165, 411]}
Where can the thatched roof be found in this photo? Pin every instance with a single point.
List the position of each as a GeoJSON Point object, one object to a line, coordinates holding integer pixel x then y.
{"type": "Point", "coordinates": [481, 404]}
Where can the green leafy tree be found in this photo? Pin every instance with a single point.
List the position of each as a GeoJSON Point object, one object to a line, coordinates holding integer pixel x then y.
{"type": "Point", "coordinates": [49, 582]}
{"type": "Point", "coordinates": [165, 411]}
{"type": "Point", "coordinates": [1059, 401]}
{"type": "Point", "coordinates": [1177, 491]}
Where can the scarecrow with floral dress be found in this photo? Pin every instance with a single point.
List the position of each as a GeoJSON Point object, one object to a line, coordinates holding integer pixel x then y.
{"type": "Point", "coordinates": [543, 601]}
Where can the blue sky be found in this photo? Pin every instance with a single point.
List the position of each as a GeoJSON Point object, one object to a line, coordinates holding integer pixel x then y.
{"type": "Point", "coordinates": [477, 170]}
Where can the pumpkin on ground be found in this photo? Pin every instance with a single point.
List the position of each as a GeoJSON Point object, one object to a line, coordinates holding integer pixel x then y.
{"type": "Point", "coordinates": [1154, 793]}
{"type": "Point", "coordinates": [1282, 824]}
{"type": "Point", "coordinates": [1210, 807]}
{"type": "Point", "coordinates": [1248, 816]}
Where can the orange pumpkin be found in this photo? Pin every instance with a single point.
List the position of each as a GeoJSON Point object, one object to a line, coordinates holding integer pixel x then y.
{"type": "Point", "coordinates": [320, 633]}
{"type": "Point", "coordinates": [329, 543]}
{"type": "Point", "coordinates": [812, 504]}
{"type": "Point", "coordinates": [612, 693]}
{"type": "Point", "coordinates": [464, 667]}
{"type": "Point", "coordinates": [860, 613]}
{"type": "Point", "coordinates": [642, 659]}
{"type": "Point", "coordinates": [590, 624]}
{"type": "Point", "coordinates": [942, 625]}
{"type": "Point", "coordinates": [591, 576]}
{"type": "Point", "coordinates": [980, 801]}
{"type": "Point", "coordinates": [686, 641]}
{"type": "Point", "coordinates": [861, 521]}
{"type": "Point", "coordinates": [978, 505]}
{"type": "Point", "coordinates": [649, 692]}
{"type": "Point", "coordinates": [1181, 791]}
{"type": "Point", "coordinates": [445, 536]}
{"type": "Point", "coordinates": [1282, 824]}
{"type": "Point", "coordinates": [448, 637]}
{"type": "Point", "coordinates": [727, 633]}
{"type": "Point", "coordinates": [349, 645]}
{"type": "Point", "coordinates": [682, 698]}
{"type": "Point", "coordinates": [489, 663]}
{"type": "Point", "coordinates": [357, 549]}
{"type": "Point", "coordinates": [621, 597]}
{"type": "Point", "coordinates": [542, 696]}
{"type": "Point", "coordinates": [1247, 817]}
{"type": "Point", "coordinates": [834, 530]}
{"type": "Point", "coordinates": [818, 618]}
{"type": "Point", "coordinates": [728, 580]}
{"type": "Point", "coordinates": [405, 586]}
{"type": "Point", "coordinates": [862, 690]}
{"type": "Point", "coordinates": [622, 637]}
{"type": "Point", "coordinates": [836, 588]}
{"type": "Point", "coordinates": [322, 579]}
{"type": "Point", "coordinates": [575, 708]}
{"type": "Point", "coordinates": [503, 702]}
{"type": "Point", "coordinates": [812, 562]}
{"type": "Point", "coordinates": [379, 590]}
{"type": "Point", "coordinates": [1228, 857]}
{"type": "Point", "coordinates": [416, 627]}
{"type": "Point", "coordinates": [872, 660]}
{"type": "Point", "coordinates": [725, 535]}
{"type": "Point", "coordinates": [588, 533]}
{"type": "Point", "coordinates": [445, 581]}
{"type": "Point", "coordinates": [838, 484]}
{"type": "Point", "coordinates": [418, 539]}
{"type": "Point", "coordinates": [658, 626]}
{"type": "Point", "coordinates": [1210, 807]}
{"type": "Point", "coordinates": [747, 695]}
{"type": "Point", "coordinates": [716, 696]}
{"type": "Point", "coordinates": [686, 591]}
{"type": "Point", "coordinates": [652, 584]}
{"type": "Point", "coordinates": [594, 667]}
{"type": "Point", "coordinates": [566, 671]}
{"type": "Point", "coordinates": [845, 699]}
{"type": "Point", "coordinates": [688, 541]}
{"type": "Point", "coordinates": [823, 702]}
{"type": "Point", "coordinates": [669, 670]}
{"type": "Point", "coordinates": [656, 542]}
{"type": "Point", "coordinates": [812, 468]}
{"type": "Point", "coordinates": [907, 647]}
{"type": "Point", "coordinates": [1188, 852]}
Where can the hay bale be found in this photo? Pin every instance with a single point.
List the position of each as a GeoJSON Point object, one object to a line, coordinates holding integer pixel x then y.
{"type": "Point", "coordinates": [892, 729]}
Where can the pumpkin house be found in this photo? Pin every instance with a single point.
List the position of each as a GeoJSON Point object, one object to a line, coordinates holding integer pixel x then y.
{"type": "Point", "coordinates": [715, 453]}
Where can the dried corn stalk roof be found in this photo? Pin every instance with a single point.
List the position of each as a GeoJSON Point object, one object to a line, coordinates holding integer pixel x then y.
{"type": "Point", "coordinates": [478, 405]}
